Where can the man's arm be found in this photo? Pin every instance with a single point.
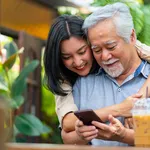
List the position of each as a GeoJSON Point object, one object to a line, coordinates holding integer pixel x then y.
{"type": "Point", "coordinates": [115, 131]}
{"type": "Point", "coordinates": [129, 138]}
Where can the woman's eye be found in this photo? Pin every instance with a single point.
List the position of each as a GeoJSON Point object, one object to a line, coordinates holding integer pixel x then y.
{"type": "Point", "coordinates": [82, 52]}
{"type": "Point", "coordinates": [66, 58]}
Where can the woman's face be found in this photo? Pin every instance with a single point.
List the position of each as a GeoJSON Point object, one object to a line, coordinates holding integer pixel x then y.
{"type": "Point", "coordinates": [76, 55]}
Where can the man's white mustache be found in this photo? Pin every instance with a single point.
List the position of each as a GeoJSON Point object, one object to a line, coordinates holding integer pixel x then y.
{"type": "Point", "coordinates": [111, 61]}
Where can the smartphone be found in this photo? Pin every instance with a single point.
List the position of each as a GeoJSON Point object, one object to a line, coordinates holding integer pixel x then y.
{"type": "Point", "coordinates": [87, 116]}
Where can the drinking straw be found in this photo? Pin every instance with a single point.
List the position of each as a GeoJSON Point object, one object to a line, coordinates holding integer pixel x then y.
{"type": "Point", "coordinates": [147, 92]}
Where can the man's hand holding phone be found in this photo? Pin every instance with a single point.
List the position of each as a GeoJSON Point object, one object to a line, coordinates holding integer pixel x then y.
{"type": "Point", "coordinates": [96, 129]}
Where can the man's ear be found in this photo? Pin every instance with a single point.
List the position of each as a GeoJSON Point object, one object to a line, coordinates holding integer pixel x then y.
{"type": "Point", "coordinates": [133, 37]}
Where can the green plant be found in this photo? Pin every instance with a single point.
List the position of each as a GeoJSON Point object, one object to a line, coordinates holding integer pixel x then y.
{"type": "Point", "coordinates": [48, 112]}
{"type": "Point", "coordinates": [12, 87]}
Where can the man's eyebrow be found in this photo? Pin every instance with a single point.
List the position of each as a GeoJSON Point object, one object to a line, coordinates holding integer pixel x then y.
{"type": "Point", "coordinates": [109, 42]}
{"type": "Point", "coordinates": [93, 46]}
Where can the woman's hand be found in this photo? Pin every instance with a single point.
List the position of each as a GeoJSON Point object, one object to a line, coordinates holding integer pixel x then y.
{"type": "Point", "coordinates": [86, 133]}
{"type": "Point", "coordinates": [127, 104]}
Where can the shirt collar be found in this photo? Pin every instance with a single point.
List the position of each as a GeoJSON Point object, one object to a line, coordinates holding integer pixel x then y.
{"type": "Point", "coordinates": [140, 68]}
{"type": "Point", "coordinates": [145, 71]}
{"type": "Point", "coordinates": [100, 70]}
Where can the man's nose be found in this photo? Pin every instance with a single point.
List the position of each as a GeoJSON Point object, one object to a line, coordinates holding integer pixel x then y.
{"type": "Point", "coordinates": [106, 55]}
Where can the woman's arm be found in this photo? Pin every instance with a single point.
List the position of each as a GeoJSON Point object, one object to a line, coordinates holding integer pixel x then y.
{"type": "Point", "coordinates": [143, 50]}
{"type": "Point", "coordinates": [143, 89]}
{"type": "Point", "coordinates": [72, 138]}
{"type": "Point", "coordinates": [122, 109]}
{"type": "Point", "coordinates": [64, 104]}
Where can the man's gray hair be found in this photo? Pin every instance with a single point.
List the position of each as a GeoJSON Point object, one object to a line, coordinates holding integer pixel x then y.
{"type": "Point", "coordinates": [120, 15]}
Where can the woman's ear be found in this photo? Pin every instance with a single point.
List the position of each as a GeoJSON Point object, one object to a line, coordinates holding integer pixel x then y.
{"type": "Point", "coordinates": [133, 37]}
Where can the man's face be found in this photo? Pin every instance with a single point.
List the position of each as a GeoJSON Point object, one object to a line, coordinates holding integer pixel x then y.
{"type": "Point", "coordinates": [111, 52]}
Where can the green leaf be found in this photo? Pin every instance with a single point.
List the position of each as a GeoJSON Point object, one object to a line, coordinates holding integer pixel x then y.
{"type": "Point", "coordinates": [138, 16]}
{"type": "Point", "coordinates": [11, 48]}
{"type": "Point", "coordinates": [46, 129]}
{"type": "Point", "coordinates": [15, 133]}
{"type": "Point", "coordinates": [19, 84]}
{"type": "Point", "coordinates": [17, 101]}
{"type": "Point", "coordinates": [30, 125]}
{"type": "Point", "coordinates": [3, 84]}
{"type": "Point", "coordinates": [144, 36]}
{"type": "Point", "coordinates": [13, 104]}
{"type": "Point", "coordinates": [18, 87]}
{"type": "Point", "coordinates": [3, 87]}
{"type": "Point", "coordinates": [11, 60]}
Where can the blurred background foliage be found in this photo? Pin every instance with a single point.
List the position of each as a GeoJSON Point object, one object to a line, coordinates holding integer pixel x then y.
{"type": "Point", "coordinates": [48, 112]}
{"type": "Point", "coordinates": [13, 82]}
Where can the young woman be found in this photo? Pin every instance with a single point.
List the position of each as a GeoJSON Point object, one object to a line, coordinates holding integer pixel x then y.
{"type": "Point", "coordinates": [60, 68]}
{"type": "Point", "coordinates": [67, 56]}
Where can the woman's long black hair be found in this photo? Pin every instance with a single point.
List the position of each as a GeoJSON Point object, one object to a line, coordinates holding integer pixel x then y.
{"type": "Point", "coordinates": [63, 28]}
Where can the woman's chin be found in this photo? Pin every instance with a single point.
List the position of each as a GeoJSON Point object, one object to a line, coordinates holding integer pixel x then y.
{"type": "Point", "coordinates": [84, 73]}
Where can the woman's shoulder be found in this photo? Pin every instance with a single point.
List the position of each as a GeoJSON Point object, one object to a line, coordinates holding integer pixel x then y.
{"type": "Point", "coordinates": [143, 50]}
{"type": "Point", "coordinates": [66, 86]}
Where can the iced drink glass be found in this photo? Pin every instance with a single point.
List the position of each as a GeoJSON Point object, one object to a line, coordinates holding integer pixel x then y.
{"type": "Point", "coordinates": [141, 117]}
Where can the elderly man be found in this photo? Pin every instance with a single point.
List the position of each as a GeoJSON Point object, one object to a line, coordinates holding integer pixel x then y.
{"type": "Point", "coordinates": [112, 36]}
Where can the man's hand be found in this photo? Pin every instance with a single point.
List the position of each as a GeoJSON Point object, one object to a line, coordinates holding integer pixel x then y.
{"type": "Point", "coordinates": [128, 123]}
{"type": "Point", "coordinates": [115, 131]}
{"type": "Point", "coordinates": [87, 133]}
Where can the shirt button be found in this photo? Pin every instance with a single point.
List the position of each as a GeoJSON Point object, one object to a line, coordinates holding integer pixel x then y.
{"type": "Point", "coordinates": [119, 89]}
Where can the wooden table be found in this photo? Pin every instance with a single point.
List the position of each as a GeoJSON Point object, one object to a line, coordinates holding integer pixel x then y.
{"type": "Point", "coordinates": [17, 146]}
